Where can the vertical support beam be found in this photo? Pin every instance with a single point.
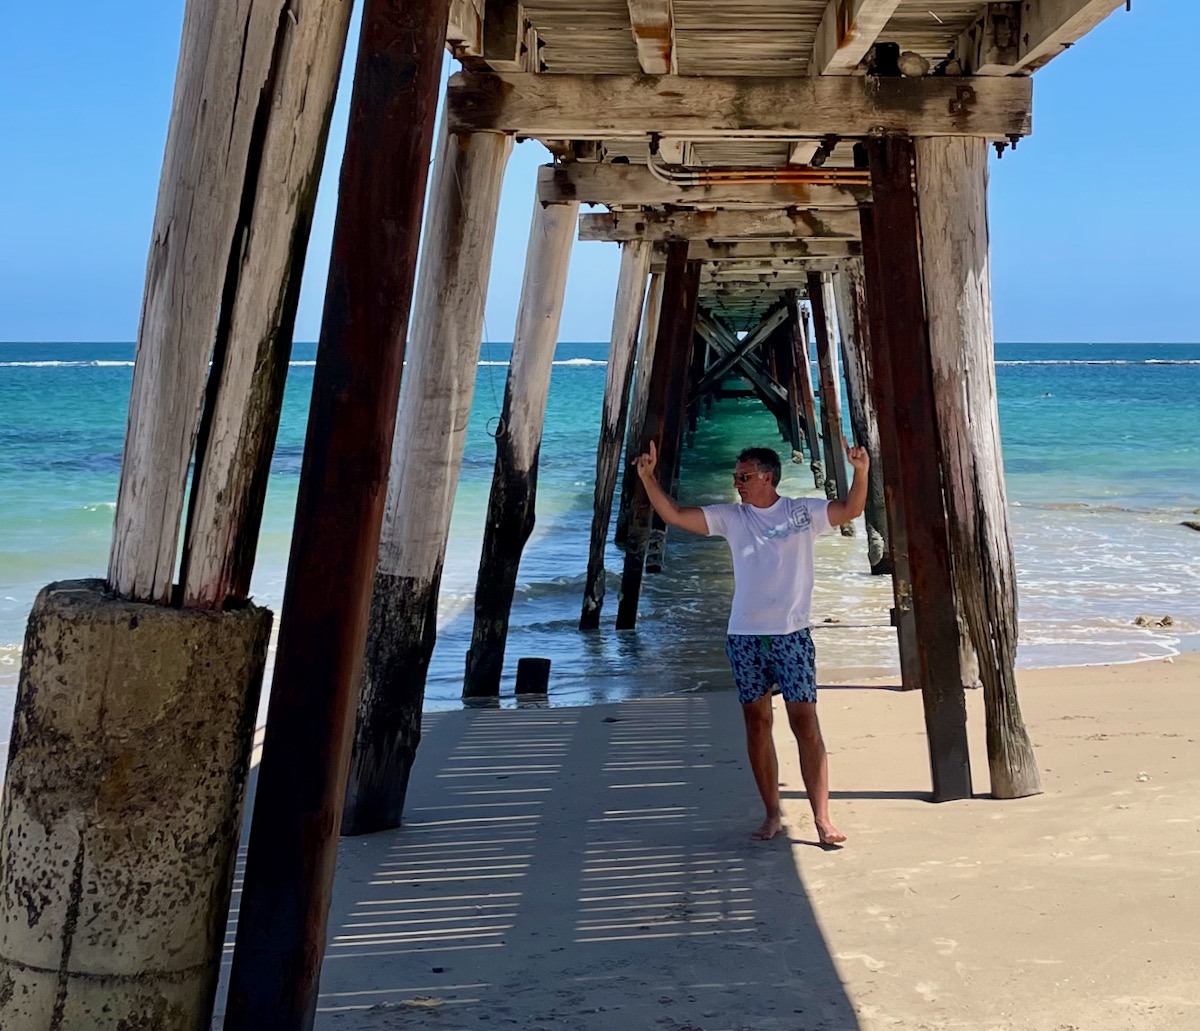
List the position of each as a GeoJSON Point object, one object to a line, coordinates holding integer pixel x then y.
{"type": "Point", "coordinates": [427, 450]}
{"type": "Point", "coordinates": [808, 399]}
{"type": "Point", "coordinates": [694, 397]}
{"type": "Point", "coordinates": [880, 384]}
{"type": "Point", "coordinates": [261, 291]}
{"type": "Point", "coordinates": [785, 362]}
{"type": "Point", "coordinates": [674, 424]}
{"type": "Point", "coordinates": [851, 298]}
{"type": "Point", "coordinates": [339, 507]}
{"type": "Point", "coordinates": [901, 359]}
{"type": "Point", "coordinates": [511, 504]}
{"type": "Point", "coordinates": [253, 96]}
{"type": "Point", "coordinates": [627, 315]}
{"type": "Point", "coordinates": [637, 407]}
{"type": "Point", "coordinates": [952, 200]}
{"type": "Point", "coordinates": [820, 296]}
{"type": "Point", "coordinates": [681, 283]}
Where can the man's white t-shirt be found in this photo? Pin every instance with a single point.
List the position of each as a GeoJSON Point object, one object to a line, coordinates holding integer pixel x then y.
{"type": "Point", "coordinates": [772, 561]}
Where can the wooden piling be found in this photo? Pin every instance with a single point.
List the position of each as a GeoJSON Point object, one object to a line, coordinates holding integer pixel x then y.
{"type": "Point", "coordinates": [637, 406]}
{"type": "Point", "coordinates": [427, 450]}
{"type": "Point", "coordinates": [680, 288]}
{"type": "Point", "coordinates": [905, 388]}
{"type": "Point", "coordinates": [820, 296]}
{"type": "Point", "coordinates": [627, 315]}
{"type": "Point", "coordinates": [808, 400]}
{"type": "Point", "coordinates": [785, 361]}
{"type": "Point", "coordinates": [302, 777]}
{"type": "Point", "coordinates": [510, 515]}
{"type": "Point", "coordinates": [674, 422]}
{"type": "Point", "coordinates": [952, 201]}
{"type": "Point", "coordinates": [694, 397]}
{"type": "Point", "coordinates": [674, 434]}
{"type": "Point", "coordinates": [253, 97]}
{"type": "Point", "coordinates": [879, 383]}
{"type": "Point", "coordinates": [851, 299]}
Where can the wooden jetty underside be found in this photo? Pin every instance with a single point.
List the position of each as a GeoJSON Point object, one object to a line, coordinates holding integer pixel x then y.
{"type": "Point", "coordinates": [747, 131]}
{"type": "Point", "coordinates": [789, 181]}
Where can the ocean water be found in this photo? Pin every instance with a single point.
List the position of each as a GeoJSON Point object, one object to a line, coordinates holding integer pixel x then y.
{"type": "Point", "coordinates": [1100, 448]}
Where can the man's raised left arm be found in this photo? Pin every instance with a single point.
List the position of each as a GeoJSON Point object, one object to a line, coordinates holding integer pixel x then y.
{"type": "Point", "coordinates": [851, 506]}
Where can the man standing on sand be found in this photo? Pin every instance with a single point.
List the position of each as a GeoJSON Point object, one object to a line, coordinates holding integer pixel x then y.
{"type": "Point", "coordinates": [771, 538]}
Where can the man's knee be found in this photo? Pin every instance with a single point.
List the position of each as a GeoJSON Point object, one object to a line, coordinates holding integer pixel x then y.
{"type": "Point", "coordinates": [802, 717]}
{"type": "Point", "coordinates": [758, 715]}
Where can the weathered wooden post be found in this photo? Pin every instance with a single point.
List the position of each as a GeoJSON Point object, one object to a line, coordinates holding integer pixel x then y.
{"type": "Point", "coordinates": [510, 515]}
{"type": "Point", "coordinates": [627, 316]}
{"type": "Point", "coordinates": [785, 361]}
{"type": "Point", "coordinates": [820, 296]}
{"type": "Point", "coordinates": [952, 201]}
{"type": "Point", "coordinates": [694, 397]}
{"type": "Point", "coordinates": [427, 450]}
{"type": "Point", "coordinates": [850, 295]}
{"type": "Point", "coordinates": [675, 427]}
{"type": "Point", "coordinates": [808, 400]}
{"type": "Point", "coordinates": [674, 423]}
{"type": "Point", "coordinates": [637, 406]}
{"type": "Point", "coordinates": [681, 283]}
{"type": "Point", "coordinates": [135, 717]}
{"type": "Point", "coordinates": [339, 508]}
{"type": "Point", "coordinates": [879, 384]}
{"type": "Point", "coordinates": [899, 344]}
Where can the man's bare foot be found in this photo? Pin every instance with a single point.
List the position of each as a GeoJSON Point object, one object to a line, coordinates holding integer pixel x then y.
{"type": "Point", "coordinates": [771, 826]}
{"type": "Point", "coordinates": [829, 835]}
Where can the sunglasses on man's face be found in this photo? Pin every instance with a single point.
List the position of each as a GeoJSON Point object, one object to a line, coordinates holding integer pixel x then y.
{"type": "Point", "coordinates": [743, 477]}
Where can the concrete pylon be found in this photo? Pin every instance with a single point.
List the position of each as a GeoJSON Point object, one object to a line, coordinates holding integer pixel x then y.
{"type": "Point", "coordinates": [122, 806]}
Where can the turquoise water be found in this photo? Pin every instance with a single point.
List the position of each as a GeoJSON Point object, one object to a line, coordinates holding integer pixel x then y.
{"type": "Point", "coordinates": [1102, 463]}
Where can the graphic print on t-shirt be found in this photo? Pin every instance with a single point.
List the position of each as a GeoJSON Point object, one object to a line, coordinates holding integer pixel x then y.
{"type": "Point", "coordinates": [799, 522]}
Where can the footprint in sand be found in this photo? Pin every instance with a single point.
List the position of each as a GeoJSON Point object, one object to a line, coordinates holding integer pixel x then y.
{"type": "Point", "coordinates": [870, 962]}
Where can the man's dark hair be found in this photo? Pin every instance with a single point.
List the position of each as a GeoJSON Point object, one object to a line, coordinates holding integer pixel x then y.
{"type": "Point", "coordinates": [766, 460]}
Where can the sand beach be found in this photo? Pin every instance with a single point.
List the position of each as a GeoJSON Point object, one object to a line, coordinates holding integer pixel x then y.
{"type": "Point", "coordinates": [590, 868]}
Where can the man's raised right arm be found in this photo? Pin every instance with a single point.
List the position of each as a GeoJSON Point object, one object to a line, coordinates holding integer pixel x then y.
{"type": "Point", "coordinates": [690, 519]}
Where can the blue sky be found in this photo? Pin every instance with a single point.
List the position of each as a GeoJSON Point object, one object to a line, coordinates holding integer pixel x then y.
{"type": "Point", "coordinates": [1093, 219]}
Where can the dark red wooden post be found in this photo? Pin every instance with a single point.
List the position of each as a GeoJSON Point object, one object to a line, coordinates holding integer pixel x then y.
{"type": "Point", "coordinates": [343, 483]}
{"type": "Point", "coordinates": [904, 397]}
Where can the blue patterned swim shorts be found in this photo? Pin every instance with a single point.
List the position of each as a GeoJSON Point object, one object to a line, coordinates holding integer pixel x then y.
{"type": "Point", "coordinates": [760, 661]}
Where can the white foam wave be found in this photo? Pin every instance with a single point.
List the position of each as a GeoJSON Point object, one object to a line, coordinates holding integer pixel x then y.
{"type": "Point", "coordinates": [1102, 361]}
{"type": "Point", "coordinates": [67, 365]}
{"type": "Point", "coordinates": [565, 361]}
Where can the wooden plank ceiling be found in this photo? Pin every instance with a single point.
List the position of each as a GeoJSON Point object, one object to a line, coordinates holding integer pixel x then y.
{"type": "Point", "coordinates": [759, 38]}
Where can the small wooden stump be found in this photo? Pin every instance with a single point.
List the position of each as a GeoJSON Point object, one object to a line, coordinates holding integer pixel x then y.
{"type": "Point", "coordinates": [533, 676]}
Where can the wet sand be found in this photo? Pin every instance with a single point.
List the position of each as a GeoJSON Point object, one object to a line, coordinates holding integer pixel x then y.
{"type": "Point", "coordinates": [590, 868]}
